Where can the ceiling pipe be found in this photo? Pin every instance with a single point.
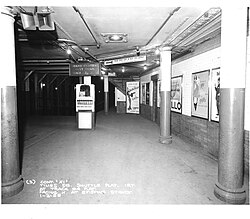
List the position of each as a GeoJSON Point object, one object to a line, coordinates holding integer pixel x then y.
{"type": "Point", "coordinates": [55, 40]}
{"type": "Point", "coordinates": [48, 61]}
{"type": "Point", "coordinates": [62, 29]}
{"type": "Point", "coordinates": [193, 32]}
{"type": "Point", "coordinates": [169, 16]}
{"type": "Point", "coordinates": [78, 11]}
{"type": "Point", "coordinates": [84, 50]}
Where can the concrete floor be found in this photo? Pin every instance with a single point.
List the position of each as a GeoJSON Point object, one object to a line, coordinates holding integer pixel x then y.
{"type": "Point", "coordinates": [120, 162]}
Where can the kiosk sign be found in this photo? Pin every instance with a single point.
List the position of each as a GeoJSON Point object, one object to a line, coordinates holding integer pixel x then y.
{"type": "Point", "coordinates": [85, 97]}
{"type": "Point", "coordinates": [84, 69]}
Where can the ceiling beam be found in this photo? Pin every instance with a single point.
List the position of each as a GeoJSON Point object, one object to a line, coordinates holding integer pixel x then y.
{"type": "Point", "coordinates": [28, 75]}
{"type": "Point", "coordinates": [42, 77]}
{"type": "Point", "coordinates": [53, 80]}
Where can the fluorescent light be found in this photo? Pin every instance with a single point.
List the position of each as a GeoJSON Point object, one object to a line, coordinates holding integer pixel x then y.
{"type": "Point", "coordinates": [68, 51]}
{"type": "Point", "coordinates": [157, 51]}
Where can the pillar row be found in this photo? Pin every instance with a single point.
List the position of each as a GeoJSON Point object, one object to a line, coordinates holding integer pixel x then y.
{"type": "Point", "coordinates": [106, 94]}
{"type": "Point", "coordinates": [165, 106]}
{"type": "Point", "coordinates": [229, 186]}
{"type": "Point", "coordinates": [12, 182]}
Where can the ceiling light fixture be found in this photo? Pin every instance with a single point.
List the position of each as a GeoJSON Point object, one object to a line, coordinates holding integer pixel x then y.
{"type": "Point", "coordinates": [157, 51]}
{"type": "Point", "coordinates": [137, 51]}
{"type": "Point", "coordinates": [68, 51]}
{"type": "Point", "coordinates": [114, 37]}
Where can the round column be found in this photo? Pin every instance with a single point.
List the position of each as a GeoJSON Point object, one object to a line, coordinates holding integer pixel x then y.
{"type": "Point", "coordinates": [229, 187]}
{"type": "Point", "coordinates": [12, 182]}
{"type": "Point", "coordinates": [165, 107]}
{"type": "Point", "coordinates": [106, 94]}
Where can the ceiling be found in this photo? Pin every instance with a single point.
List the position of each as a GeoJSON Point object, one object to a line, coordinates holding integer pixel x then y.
{"type": "Point", "coordinates": [83, 30]}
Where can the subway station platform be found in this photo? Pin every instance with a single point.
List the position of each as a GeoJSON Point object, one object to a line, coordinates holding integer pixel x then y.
{"type": "Point", "coordinates": [120, 162]}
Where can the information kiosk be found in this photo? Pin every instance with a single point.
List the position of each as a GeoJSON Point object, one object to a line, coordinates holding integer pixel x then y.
{"type": "Point", "coordinates": [85, 106]}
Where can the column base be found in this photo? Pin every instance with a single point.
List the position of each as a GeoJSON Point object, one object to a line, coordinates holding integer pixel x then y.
{"type": "Point", "coordinates": [231, 196]}
{"type": "Point", "coordinates": [165, 140]}
{"type": "Point", "coordinates": [12, 188]}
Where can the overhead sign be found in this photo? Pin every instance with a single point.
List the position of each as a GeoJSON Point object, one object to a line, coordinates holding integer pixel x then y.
{"type": "Point", "coordinates": [126, 60]}
{"type": "Point", "coordinates": [84, 69]}
{"type": "Point", "coordinates": [112, 74]}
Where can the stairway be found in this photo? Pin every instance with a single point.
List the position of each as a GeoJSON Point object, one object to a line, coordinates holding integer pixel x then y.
{"type": "Point", "coordinates": [120, 83]}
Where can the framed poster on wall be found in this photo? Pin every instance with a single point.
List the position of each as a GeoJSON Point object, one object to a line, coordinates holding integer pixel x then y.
{"type": "Point", "coordinates": [158, 93]}
{"type": "Point", "coordinates": [215, 94]}
{"type": "Point", "coordinates": [147, 93]}
{"type": "Point", "coordinates": [200, 94]}
{"type": "Point", "coordinates": [132, 97]}
{"type": "Point", "coordinates": [176, 94]}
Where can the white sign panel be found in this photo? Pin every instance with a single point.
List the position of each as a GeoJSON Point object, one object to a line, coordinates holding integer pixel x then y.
{"type": "Point", "coordinates": [85, 97]}
{"type": "Point", "coordinates": [132, 97]}
{"type": "Point", "coordinates": [125, 60]}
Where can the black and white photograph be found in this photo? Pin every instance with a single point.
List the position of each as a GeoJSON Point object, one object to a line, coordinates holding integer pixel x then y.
{"type": "Point", "coordinates": [120, 106]}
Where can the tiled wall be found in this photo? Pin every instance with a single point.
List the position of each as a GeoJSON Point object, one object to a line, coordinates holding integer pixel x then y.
{"type": "Point", "coordinates": [146, 111]}
{"type": "Point", "coordinates": [197, 131]}
{"type": "Point", "coordinates": [246, 150]}
{"type": "Point", "coordinates": [121, 107]}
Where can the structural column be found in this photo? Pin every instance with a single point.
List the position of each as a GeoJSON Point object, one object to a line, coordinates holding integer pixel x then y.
{"type": "Point", "coordinates": [12, 182]}
{"type": "Point", "coordinates": [165, 107]}
{"type": "Point", "coordinates": [106, 94]}
{"type": "Point", "coordinates": [87, 79]}
{"type": "Point", "coordinates": [36, 94]}
{"type": "Point", "coordinates": [229, 187]}
{"type": "Point", "coordinates": [80, 80]}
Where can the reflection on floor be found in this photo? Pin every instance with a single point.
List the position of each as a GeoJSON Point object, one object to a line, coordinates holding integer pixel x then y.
{"type": "Point", "coordinates": [121, 161]}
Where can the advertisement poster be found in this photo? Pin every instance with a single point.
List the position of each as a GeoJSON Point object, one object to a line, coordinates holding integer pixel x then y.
{"type": "Point", "coordinates": [147, 93]}
{"type": "Point", "coordinates": [132, 97]}
{"type": "Point", "coordinates": [176, 94]}
{"type": "Point", "coordinates": [215, 94]}
{"type": "Point", "coordinates": [143, 93]}
{"type": "Point", "coordinates": [200, 94]}
{"type": "Point", "coordinates": [158, 93]}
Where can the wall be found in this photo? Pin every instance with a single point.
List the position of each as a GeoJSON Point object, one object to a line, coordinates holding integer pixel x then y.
{"type": "Point", "coordinates": [119, 96]}
{"type": "Point", "coordinates": [202, 132]}
{"type": "Point", "coordinates": [247, 106]}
